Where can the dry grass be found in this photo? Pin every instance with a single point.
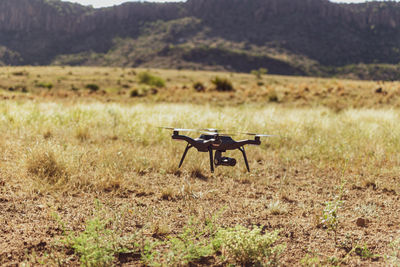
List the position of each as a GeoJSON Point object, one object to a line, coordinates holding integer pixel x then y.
{"type": "Point", "coordinates": [44, 166]}
{"type": "Point", "coordinates": [366, 140]}
{"type": "Point", "coordinates": [59, 154]}
{"type": "Point", "coordinates": [117, 85]}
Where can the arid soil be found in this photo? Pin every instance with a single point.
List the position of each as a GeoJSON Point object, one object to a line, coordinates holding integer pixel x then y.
{"type": "Point", "coordinates": [28, 226]}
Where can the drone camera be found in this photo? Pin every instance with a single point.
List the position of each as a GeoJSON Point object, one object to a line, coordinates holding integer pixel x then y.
{"type": "Point", "coordinates": [225, 161]}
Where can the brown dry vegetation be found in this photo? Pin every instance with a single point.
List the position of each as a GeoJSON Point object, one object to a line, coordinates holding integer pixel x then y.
{"type": "Point", "coordinates": [117, 84]}
{"type": "Point", "coordinates": [83, 169]}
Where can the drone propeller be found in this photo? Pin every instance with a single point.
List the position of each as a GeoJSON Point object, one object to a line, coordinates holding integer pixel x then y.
{"type": "Point", "coordinates": [179, 129]}
{"type": "Point", "coordinates": [219, 134]}
{"type": "Point", "coordinates": [203, 131]}
{"type": "Point", "coordinates": [259, 135]}
{"type": "Point", "coordinates": [212, 130]}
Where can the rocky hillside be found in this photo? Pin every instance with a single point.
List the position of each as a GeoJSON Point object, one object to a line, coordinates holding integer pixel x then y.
{"type": "Point", "coordinates": [306, 37]}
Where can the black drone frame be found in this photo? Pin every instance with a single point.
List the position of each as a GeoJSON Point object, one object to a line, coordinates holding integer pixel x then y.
{"type": "Point", "coordinates": [213, 141]}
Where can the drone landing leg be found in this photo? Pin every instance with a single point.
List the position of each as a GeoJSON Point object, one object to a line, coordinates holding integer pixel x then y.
{"type": "Point", "coordinates": [184, 154]}
{"type": "Point", "coordinates": [211, 159]}
{"type": "Point", "coordinates": [245, 158]}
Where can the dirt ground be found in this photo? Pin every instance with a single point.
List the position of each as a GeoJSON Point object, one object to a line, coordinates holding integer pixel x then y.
{"type": "Point", "coordinates": [29, 228]}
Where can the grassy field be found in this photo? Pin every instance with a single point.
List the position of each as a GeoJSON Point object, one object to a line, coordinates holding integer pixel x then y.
{"type": "Point", "coordinates": [124, 86]}
{"type": "Point", "coordinates": [87, 178]}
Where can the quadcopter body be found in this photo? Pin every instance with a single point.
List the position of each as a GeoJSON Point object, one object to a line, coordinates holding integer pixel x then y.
{"type": "Point", "coordinates": [215, 144]}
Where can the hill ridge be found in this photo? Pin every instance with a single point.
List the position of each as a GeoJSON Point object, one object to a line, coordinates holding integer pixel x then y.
{"type": "Point", "coordinates": [309, 37]}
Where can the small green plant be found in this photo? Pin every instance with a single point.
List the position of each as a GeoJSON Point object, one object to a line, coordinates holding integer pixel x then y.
{"type": "Point", "coordinates": [92, 87]}
{"type": "Point", "coordinates": [191, 244]}
{"type": "Point", "coordinates": [310, 260]}
{"type": "Point", "coordinates": [330, 217]}
{"type": "Point", "coordinates": [394, 257]}
{"type": "Point", "coordinates": [186, 249]}
{"type": "Point", "coordinates": [222, 84]}
{"type": "Point", "coordinates": [93, 245]}
{"type": "Point", "coordinates": [45, 85]}
{"type": "Point", "coordinates": [245, 246]}
{"type": "Point", "coordinates": [99, 243]}
{"type": "Point", "coordinates": [259, 73]}
{"type": "Point", "coordinates": [194, 243]}
{"type": "Point", "coordinates": [150, 79]}
{"type": "Point", "coordinates": [364, 252]}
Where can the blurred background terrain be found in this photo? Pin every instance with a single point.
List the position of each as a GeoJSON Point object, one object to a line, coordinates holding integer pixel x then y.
{"type": "Point", "coordinates": [291, 37]}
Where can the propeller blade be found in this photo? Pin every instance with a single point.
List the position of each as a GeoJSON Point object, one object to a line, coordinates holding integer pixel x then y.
{"type": "Point", "coordinates": [219, 134]}
{"type": "Point", "coordinates": [179, 129]}
{"type": "Point", "coordinates": [259, 135]}
{"type": "Point", "coordinates": [266, 135]}
{"type": "Point", "coordinates": [203, 131]}
{"type": "Point", "coordinates": [209, 133]}
{"type": "Point", "coordinates": [210, 130]}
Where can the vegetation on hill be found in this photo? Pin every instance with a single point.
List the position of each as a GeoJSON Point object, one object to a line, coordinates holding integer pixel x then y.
{"type": "Point", "coordinates": [301, 37]}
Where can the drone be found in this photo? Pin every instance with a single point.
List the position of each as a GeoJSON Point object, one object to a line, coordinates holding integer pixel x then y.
{"type": "Point", "coordinates": [212, 140]}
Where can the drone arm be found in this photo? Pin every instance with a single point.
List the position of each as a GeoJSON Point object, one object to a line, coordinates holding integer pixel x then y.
{"type": "Point", "coordinates": [199, 144]}
{"type": "Point", "coordinates": [241, 143]}
{"type": "Point", "coordinates": [184, 138]}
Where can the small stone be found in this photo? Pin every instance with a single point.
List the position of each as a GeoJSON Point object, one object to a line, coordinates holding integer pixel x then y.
{"type": "Point", "coordinates": [361, 222]}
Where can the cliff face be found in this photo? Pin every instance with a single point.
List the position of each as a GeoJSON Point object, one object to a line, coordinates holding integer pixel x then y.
{"type": "Point", "coordinates": [37, 31]}
{"type": "Point", "coordinates": [39, 15]}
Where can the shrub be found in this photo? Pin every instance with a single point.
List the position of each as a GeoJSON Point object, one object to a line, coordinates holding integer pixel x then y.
{"type": "Point", "coordinates": [277, 208]}
{"type": "Point", "coordinates": [246, 246]}
{"type": "Point", "coordinates": [222, 84]}
{"type": "Point", "coordinates": [143, 91]}
{"type": "Point", "coordinates": [149, 79]}
{"type": "Point", "coordinates": [191, 245]}
{"type": "Point", "coordinates": [185, 249]}
{"type": "Point", "coordinates": [100, 242]}
{"type": "Point", "coordinates": [20, 73]}
{"type": "Point", "coordinates": [273, 96]}
{"type": "Point", "coordinates": [44, 85]}
{"type": "Point", "coordinates": [199, 87]}
{"type": "Point", "coordinates": [92, 87]}
{"type": "Point", "coordinates": [93, 245]}
{"type": "Point", "coordinates": [135, 93]}
{"type": "Point", "coordinates": [45, 166]}
{"type": "Point", "coordinates": [258, 73]}
{"type": "Point", "coordinates": [82, 133]}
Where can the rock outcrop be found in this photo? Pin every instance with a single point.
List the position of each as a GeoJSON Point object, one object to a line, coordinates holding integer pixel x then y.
{"type": "Point", "coordinates": [38, 31]}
